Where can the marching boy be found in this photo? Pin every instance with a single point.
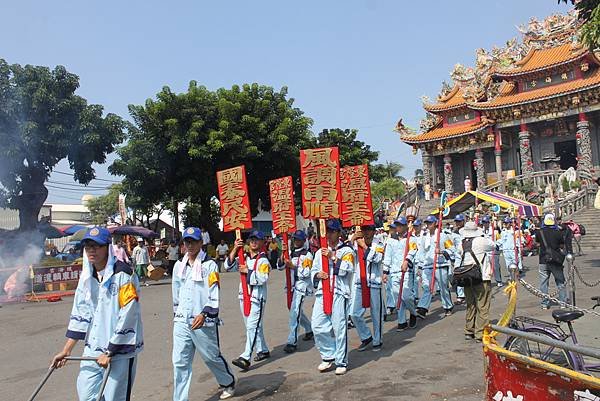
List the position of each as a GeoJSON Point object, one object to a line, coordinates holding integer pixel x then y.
{"type": "Point", "coordinates": [106, 315]}
{"type": "Point", "coordinates": [300, 264]}
{"type": "Point", "coordinates": [373, 260]}
{"type": "Point", "coordinates": [340, 255]}
{"type": "Point", "coordinates": [257, 269]}
{"type": "Point", "coordinates": [196, 323]}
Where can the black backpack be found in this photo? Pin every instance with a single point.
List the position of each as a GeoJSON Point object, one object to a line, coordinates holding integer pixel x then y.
{"type": "Point", "coordinates": [468, 275]}
{"type": "Point", "coordinates": [581, 229]}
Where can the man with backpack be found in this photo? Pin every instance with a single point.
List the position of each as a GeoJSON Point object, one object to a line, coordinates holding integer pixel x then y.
{"type": "Point", "coordinates": [553, 248]}
{"type": "Point", "coordinates": [475, 275]}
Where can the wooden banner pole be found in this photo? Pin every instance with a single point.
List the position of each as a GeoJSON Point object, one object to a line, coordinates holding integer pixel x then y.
{"type": "Point", "coordinates": [288, 273]}
{"type": "Point", "coordinates": [243, 276]}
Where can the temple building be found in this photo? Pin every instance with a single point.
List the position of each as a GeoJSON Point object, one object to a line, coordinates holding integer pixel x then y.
{"type": "Point", "coordinates": [529, 106]}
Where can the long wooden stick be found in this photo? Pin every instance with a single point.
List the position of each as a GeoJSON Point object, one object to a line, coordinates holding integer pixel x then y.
{"type": "Point", "coordinates": [243, 276]}
{"type": "Point", "coordinates": [288, 273]}
{"type": "Point", "coordinates": [437, 240]}
{"type": "Point", "coordinates": [327, 293]}
{"type": "Point", "coordinates": [366, 296]}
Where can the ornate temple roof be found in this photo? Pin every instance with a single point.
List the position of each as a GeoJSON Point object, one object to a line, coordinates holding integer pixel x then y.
{"type": "Point", "coordinates": [543, 59]}
{"type": "Point", "coordinates": [447, 132]}
{"type": "Point", "coordinates": [500, 78]}
{"type": "Point", "coordinates": [453, 100]}
{"type": "Point", "coordinates": [510, 97]}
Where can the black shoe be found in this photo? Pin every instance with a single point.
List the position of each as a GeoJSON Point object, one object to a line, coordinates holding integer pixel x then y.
{"type": "Point", "coordinates": [469, 337]}
{"type": "Point", "coordinates": [412, 321]}
{"type": "Point", "coordinates": [447, 312]}
{"type": "Point", "coordinates": [421, 313]}
{"type": "Point", "coordinates": [350, 324]}
{"type": "Point", "coordinates": [402, 326]}
{"type": "Point", "coordinates": [308, 336]}
{"type": "Point", "coordinates": [289, 348]}
{"type": "Point", "coordinates": [241, 363]}
{"type": "Point", "coordinates": [364, 344]}
{"type": "Point", "coordinates": [377, 348]}
{"type": "Point", "coordinates": [262, 356]}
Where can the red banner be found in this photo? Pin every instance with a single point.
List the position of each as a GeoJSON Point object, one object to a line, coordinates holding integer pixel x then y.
{"type": "Point", "coordinates": [233, 195]}
{"type": "Point", "coordinates": [357, 208]}
{"type": "Point", "coordinates": [283, 212]}
{"type": "Point", "coordinates": [320, 173]}
{"type": "Point", "coordinates": [235, 210]}
{"type": "Point", "coordinates": [282, 205]}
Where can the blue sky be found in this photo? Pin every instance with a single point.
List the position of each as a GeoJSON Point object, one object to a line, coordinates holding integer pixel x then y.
{"type": "Point", "coordinates": [349, 64]}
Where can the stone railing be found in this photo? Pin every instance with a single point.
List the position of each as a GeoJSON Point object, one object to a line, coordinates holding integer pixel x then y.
{"type": "Point", "coordinates": [573, 203]}
{"type": "Point", "coordinates": [539, 179]}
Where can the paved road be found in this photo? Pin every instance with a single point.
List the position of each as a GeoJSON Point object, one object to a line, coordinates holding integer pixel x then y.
{"type": "Point", "coordinates": [431, 362]}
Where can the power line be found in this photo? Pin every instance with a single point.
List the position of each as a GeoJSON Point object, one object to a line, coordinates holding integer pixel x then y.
{"type": "Point", "coordinates": [95, 179]}
{"type": "Point", "coordinates": [82, 190]}
{"type": "Point", "coordinates": [75, 185]}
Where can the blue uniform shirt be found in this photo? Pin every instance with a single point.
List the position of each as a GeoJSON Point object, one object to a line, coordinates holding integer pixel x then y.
{"type": "Point", "coordinates": [107, 314]}
{"type": "Point", "coordinates": [426, 251]}
{"type": "Point", "coordinates": [258, 274]}
{"type": "Point", "coordinates": [196, 290]}
{"type": "Point", "coordinates": [374, 265]}
{"type": "Point", "coordinates": [302, 259]}
{"type": "Point", "coordinates": [340, 272]}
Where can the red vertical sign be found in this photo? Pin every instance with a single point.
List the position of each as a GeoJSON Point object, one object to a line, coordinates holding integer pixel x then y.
{"type": "Point", "coordinates": [320, 175]}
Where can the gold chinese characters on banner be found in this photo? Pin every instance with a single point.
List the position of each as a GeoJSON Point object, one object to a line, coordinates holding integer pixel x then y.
{"type": "Point", "coordinates": [357, 208]}
{"type": "Point", "coordinates": [233, 195]}
{"type": "Point", "coordinates": [282, 205]}
{"type": "Point", "coordinates": [320, 173]}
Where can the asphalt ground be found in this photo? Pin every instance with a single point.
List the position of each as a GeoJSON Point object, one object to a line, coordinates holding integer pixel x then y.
{"type": "Point", "coordinates": [431, 362]}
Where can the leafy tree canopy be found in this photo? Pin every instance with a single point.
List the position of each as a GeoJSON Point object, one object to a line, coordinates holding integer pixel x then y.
{"type": "Point", "coordinates": [43, 121]}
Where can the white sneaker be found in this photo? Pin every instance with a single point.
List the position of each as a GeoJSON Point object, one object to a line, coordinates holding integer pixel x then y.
{"type": "Point", "coordinates": [323, 366]}
{"type": "Point", "coordinates": [340, 370]}
{"type": "Point", "coordinates": [227, 393]}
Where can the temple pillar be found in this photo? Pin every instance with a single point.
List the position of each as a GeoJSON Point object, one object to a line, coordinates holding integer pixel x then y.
{"type": "Point", "coordinates": [480, 169]}
{"type": "Point", "coordinates": [526, 158]}
{"type": "Point", "coordinates": [448, 180]}
{"type": "Point", "coordinates": [584, 148]}
{"type": "Point", "coordinates": [498, 155]}
{"type": "Point", "coordinates": [426, 158]}
{"type": "Point", "coordinates": [433, 173]}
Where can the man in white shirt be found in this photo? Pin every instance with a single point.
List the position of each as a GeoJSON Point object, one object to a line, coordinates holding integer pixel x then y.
{"type": "Point", "coordinates": [141, 258]}
{"type": "Point", "coordinates": [222, 251]}
{"type": "Point", "coordinates": [205, 237]}
{"type": "Point", "coordinates": [173, 256]}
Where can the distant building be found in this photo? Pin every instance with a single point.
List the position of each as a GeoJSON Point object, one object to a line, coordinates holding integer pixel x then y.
{"type": "Point", "coordinates": [9, 218]}
{"type": "Point", "coordinates": [529, 106]}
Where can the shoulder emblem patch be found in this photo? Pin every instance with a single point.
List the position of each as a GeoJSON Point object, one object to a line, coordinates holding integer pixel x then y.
{"type": "Point", "coordinates": [413, 246]}
{"type": "Point", "coordinates": [349, 257]}
{"type": "Point", "coordinates": [448, 244]}
{"type": "Point", "coordinates": [127, 293]}
{"type": "Point", "coordinates": [264, 268]}
{"type": "Point", "coordinates": [213, 278]}
{"type": "Point", "coordinates": [307, 263]}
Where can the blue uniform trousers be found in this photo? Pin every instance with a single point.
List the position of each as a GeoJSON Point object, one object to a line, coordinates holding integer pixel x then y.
{"type": "Point", "coordinates": [331, 332]}
{"type": "Point", "coordinates": [297, 318]}
{"type": "Point", "coordinates": [205, 341]}
{"type": "Point", "coordinates": [377, 310]}
{"type": "Point", "coordinates": [442, 278]}
{"type": "Point", "coordinates": [255, 337]}
{"type": "Point", "coordinates": [119, 384]}
{"type": "Point", "coordinates": [408, 294]}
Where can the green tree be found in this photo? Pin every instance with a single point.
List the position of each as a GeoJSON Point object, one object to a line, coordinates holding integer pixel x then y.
{"type": "Point", "coordinates": [43, 121]}
{"type": "Point", "coordinates": [103, 208]}
{"type": "Point", "coordinates": [180, 140]}
{"type": "Point", "coordinates": [390, 188]}
{"type": "Point", "coordinates": [380, 172]}
{"type": "Point", "coordinates": [352, 151]}
{"type": "Point", "coordinates": [589, 14]}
